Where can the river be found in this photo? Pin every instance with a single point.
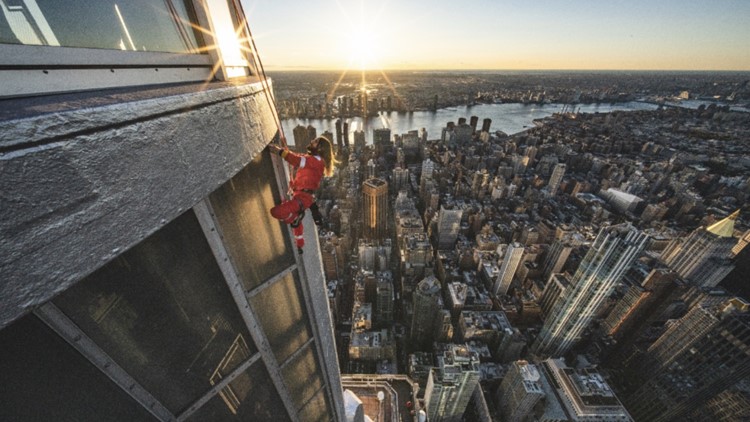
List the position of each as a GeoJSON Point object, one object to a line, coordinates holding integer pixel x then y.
{"type": "Point", "coordinates": [509, 118]}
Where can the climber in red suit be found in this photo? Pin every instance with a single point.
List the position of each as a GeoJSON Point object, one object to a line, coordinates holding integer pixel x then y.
{"type": "Point", "coordinates": [310, 169]}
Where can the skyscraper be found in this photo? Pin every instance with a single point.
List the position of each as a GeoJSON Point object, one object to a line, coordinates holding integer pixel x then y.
{"type": "Point", "coordinates": [554, 180]}
{"type": "Point", "coordinates": [511, 260]}
{"type": "Point", "coordinates": [448, 226]}
{"type": "Point", "coordinates": [375, 208]}
{"type": "Point", "coordinates": [703, 258]}
{"type": "Point", "coordinates": [451, 384]}
{"type": "Point", "coordinates": [153, 284]}
{"type": "Point", "coordinates": [519, 391]}
{"type": "Point", "coordinates": [427, 301]}
{"type": "Point", "coordinates": [557, 256]}
{"type": "Point", "coordinates": [582, 392]}
{"type": "Point", "coordinates": [384, 298]}
{"type": "Point", "coordinates": [381, 138]}
{"type": "Point", "coordinates": [697, 358]}
{"type": "Point", "coordinates": [611, 254]}
{"type": "Point", "coordinates": [486, 123]}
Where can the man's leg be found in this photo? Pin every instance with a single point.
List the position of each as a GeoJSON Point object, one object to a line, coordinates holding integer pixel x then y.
{"type": "Point", "coordinates": [299, 240]}
{"type": "Point", "coordinates": [286, 211]}
{"type": "Point", "coordinates": [316, 215]}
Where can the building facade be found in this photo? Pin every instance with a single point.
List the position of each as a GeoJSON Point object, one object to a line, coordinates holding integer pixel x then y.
{"type": "Point", "coordinates": [519, 391]}
{"type": "Point", "coordinates": [613, 251]}
{"type": "Point", "coordinates": [700, 356]}
{"type": "Point", "coordinates": [375, 208]}
{"type": "Point", "coordinates": [703, 258]}
{"type": "Point", "coordinates": [511, 260]}
{"type": "Point", "coordinates": [451, 384]}
{"type": "Point", "coordinates": [143, 277]}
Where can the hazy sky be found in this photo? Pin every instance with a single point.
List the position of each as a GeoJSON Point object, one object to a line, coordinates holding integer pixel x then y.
{"type": "Point", "coordinates": [500, 34]}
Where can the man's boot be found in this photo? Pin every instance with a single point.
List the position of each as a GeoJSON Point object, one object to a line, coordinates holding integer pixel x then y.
{"type": "Point", "coordinates": [316, 215]}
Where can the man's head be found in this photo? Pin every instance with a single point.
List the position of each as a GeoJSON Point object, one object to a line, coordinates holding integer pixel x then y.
{"type": "Point", "coordinates": [322, 147]}
{"type": "Point", "coordinates": [319, 145]}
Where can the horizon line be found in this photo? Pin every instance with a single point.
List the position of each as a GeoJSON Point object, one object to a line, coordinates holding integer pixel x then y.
{"type": "Point", "coordinates": [283, 69]}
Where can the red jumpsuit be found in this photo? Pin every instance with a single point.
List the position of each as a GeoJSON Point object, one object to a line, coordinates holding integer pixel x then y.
{"type": "Point", "coordinates": [306, 180]}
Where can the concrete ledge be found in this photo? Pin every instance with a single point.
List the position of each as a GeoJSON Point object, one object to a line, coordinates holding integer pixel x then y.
{"type": "Point", "coordinates": [84, 184]}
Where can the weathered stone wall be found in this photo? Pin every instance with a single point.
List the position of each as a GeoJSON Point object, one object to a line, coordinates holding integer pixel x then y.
{"type": "Point", "coordinates": [81, 185]}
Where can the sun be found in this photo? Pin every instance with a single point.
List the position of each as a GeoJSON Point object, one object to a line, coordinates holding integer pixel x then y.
{"type": "Point", "coordinates": [364, 49]}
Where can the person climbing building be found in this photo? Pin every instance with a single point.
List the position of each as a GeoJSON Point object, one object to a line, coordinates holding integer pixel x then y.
{"type": "Point", "coordinates": [310, 169]}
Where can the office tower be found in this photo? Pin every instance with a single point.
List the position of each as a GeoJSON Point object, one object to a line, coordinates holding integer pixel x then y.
{"type": "Point", "coordinates": [553, 290]}
{"type": "Point", "coordinates": [583, 394]}
{"type": "Point", "coordinates": [703, 257]}
{"type": "Point", "coordinates": [300, 135]}
{"type": "Point", "coordinates": [613, 251]}
{"type": "Point", "coordinates": [473, 123]}
{"type": "Point", "coordinates": [143, 277]}
{"type": "Point", "coordinates": [345, 133]}
{"type": "Point", "coordinates": [384, 298]}
{"type": "Point", "coordinates": [381, 139]}
{"type": "Point", "coordinates": [486, 123]}
{"type": "Point", "coordinates": [557, 256]}
{"type": "Point", "coordinates": [375, 208]}
{"type": "Point", "coordinates": [451, 384]}
{"type": "Point", "coordinates": [444, 332]}
{"type": "Point", "coordinates": [332, 255]}
{"type": "Point", "coordinates": [400, 179]}
{"type": "Point", "coordinates": [428, 302]}
{"type": "Point", "coordinates": [374, 255]}
{"type": "Point", "coordinates": [519, 391]}
{"type": "Point", "coordinates": [448, 226]}
{"type": "Point", "coordinates": [416, 254]}
{"type": "Point", "coordinates": [448, 134]}
{"type": "Point", "coordinates": [638, 299]}
{"type": "Point", "coordinates": [511, 260]}
{"type": "Point", "coordinates": [554, 180]}
{"type": "Point", "coordinates": [359, 140]}
{"type": "Point", "coordinates": [730, 405]}
{"type": "Point", "coordinates": [339, 134]}
{"type": "Point", "coordinates": [530, 153]}
{"type": "Point", "coordinates": [697, 358]}
{"type": "Point", "coordinates": [371, 169]}
{"type": "Point", "coordinates": [462, 132]}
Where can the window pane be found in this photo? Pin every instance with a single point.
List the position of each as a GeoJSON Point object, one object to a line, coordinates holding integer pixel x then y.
{"type": "Point", "coordinates": [163, 312]}
{"type": "Point", "coordinates": [135, 25]}
{"type": "Point", "coordinates": [45, 379]}
{"type": "Point", "coordinates": [317, 409]}
{"type": "Point", "coordinates": [302, 376]}
{"type": "Point", "coordinates": [249, 397]}
{"type": "Point", "coordinates": [284, 320]}
{"type": "Point", "coordinates": [256, 241]}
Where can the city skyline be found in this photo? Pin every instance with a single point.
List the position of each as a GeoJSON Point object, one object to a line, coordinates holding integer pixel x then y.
{"type": "Point", "coordinates": [508, 35]}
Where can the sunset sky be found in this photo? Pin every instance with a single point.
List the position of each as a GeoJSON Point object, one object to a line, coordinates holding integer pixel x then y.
{"type": "Point", "coordinates": [498, 34]}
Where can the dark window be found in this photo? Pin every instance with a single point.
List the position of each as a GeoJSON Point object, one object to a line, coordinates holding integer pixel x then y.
{"type": "Point", "coordinates": [45, 379]}
{"type": "Point", "coordinates": [133, 25]}
{"type": "Point", "coordinates": [163, 312]}
{"type": "Point", "coordinates": [303, 376]}
{"type": "Point", "coordinates": [249, 397]}
{"type": "Point", "coordinates": [316, 409]}
{"type": "Point", "coordinates": [282, 316]}
{"type": "Point", "coordinates": [255, 240]}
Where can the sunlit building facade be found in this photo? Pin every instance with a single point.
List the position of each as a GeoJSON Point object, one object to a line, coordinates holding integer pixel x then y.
{"type": "Point", "coordinates": [375, 208]}
{"type": "Point", "coordinates": [143, 277]}
{"type": "Point", "coordinates": [613, 251]}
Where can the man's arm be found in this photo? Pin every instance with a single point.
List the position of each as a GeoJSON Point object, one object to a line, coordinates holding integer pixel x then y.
{"type": "Point", "coordinates": [291, 157]}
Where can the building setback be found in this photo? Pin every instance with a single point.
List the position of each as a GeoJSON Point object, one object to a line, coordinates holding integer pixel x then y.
{"type": "Point", "coordinates": [451, 384]}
